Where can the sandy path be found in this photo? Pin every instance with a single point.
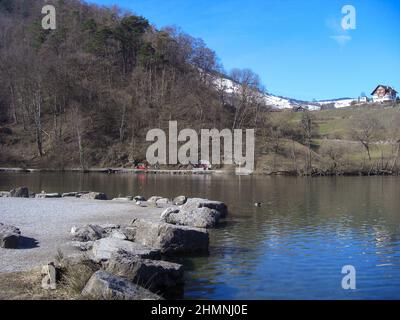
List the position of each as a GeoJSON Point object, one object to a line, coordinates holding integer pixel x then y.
{"type": "Point", "coordinates": [48, 221]}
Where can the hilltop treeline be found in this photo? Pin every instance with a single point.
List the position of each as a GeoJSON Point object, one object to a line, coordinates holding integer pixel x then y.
{"type": "Point", "coordinates": [89, 91]}
{"type": "Point", "coordinates": [86, 93]}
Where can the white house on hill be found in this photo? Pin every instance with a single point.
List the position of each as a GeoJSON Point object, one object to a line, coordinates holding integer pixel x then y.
{"type": "Point", "coordinates": [383, 93]}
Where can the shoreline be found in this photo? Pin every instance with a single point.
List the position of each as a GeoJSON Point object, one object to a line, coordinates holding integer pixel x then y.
{"type": "Point", "coordinates": [110, 170]}
{"type": "Point", "coordinates": [126, 241]}
{"type": "Point", "coordinates": [49, 222]}
{"type": "Point", "coordinates": [118, 170]}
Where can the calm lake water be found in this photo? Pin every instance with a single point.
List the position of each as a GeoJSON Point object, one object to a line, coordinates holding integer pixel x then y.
{"type": "Point", "coordinates": [293, 247]}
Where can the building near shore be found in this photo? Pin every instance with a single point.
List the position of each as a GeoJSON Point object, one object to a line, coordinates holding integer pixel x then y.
{"type": "Point", "coordinates": [383, 93]}
{"type": "Point", "coordinates": [363, 99]}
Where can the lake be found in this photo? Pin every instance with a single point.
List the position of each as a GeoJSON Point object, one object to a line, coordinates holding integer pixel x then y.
{"type": "Point", "coordinates": [292, 247]}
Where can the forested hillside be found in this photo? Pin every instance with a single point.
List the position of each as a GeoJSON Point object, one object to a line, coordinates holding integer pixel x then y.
{"type": "Point", "coordinates": [85, 95]}
{"type": "Point", "coordinates": [87, 92]}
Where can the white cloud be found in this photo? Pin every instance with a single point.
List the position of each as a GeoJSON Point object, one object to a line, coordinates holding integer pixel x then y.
{"type": "Point", "coordinates": [341, 39]}
{"type": "Point", "coordinates": [338, 34]}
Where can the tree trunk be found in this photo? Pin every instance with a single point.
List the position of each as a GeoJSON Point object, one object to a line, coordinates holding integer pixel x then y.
{"type": "Point", "coordinates": [79, 138]}
{"type": "Point", "coordinates": [122, 126]}
{"type": "Point", "coordinates": [38, 122]}
{"type": "Point", "coordinates": [396, 157]}
{"type": "Point", "coordinates": [13, 105]}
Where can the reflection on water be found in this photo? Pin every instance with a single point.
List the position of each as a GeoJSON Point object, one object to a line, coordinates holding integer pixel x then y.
{"type": "Point", "coordinates": [293, 247]}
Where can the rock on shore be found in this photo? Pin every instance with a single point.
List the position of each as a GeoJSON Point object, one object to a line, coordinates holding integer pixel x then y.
{"type": "Point", "coordinates": [22, 192]}
{"type": "Point", "coordinates": [179, 200]}
{"type": "Point", "coordinates": [129, 254]}
{"type": "Point", "coordinates": [9, 236]}
{"type": "Point", "coordinates": [104, 248]}
{"type": "Point", "coordinates": [89, 232]}
{"type": "Point", "coordinates": [5, 194]}
{"type": "Point", "coordinates": [94, 196]}
{"type": "Point", "coordinates": [168, 238]}
{"type": "Point", "coordinates": [47, 195]}
{"type": "Point", "coordinates": [161, 277]}
{"type": "Point", "coordinates": [103, 285]}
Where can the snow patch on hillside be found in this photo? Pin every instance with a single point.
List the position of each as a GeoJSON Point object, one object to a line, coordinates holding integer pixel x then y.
{"type": "Point", "coordinates": [339, 103]}
{"type": "Point", "coordinates": [276, 102]}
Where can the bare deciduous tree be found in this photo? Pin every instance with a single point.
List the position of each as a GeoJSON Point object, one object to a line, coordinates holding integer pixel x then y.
{"type": "Point", "coordinates": [308, 126]}
{"type": "Point", "coordinates": [366, 129]}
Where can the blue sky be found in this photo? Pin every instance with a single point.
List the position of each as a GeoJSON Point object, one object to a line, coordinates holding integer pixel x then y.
{"type": "Point", "coordinates": [297, 47]}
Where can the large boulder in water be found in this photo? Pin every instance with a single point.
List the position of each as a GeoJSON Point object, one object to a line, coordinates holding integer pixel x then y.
{"type": "Point", "coordinates": [195, 203]}
{"type": "Point", "coordinates": [162, 277]}
{"type": "Point", "coordinates": [168, 238]}
{"type": "Point", "coordinates": [9, 236]}
{"type": "Point", "coordinates": [104, 248]}
{"type": "Point", "coordinates": [199, 218]}
{"type": "Point", "coordinates": [103, 285]}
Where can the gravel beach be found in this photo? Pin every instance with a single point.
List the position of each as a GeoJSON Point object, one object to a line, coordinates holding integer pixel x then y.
{"type": "Point", "coordinates": [46, 223]}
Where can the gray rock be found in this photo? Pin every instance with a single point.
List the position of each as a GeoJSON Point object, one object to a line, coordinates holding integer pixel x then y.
{"type": "Point", "coordinates": [180, 200]}
{"type": "Point", "coordinates": [22, 192]}
{"type": "Point", "coordinates": [94, 196]}
{"type": "Point", "coordinates": [76, 261]}
{"type": "Point", "coordinates": [48, 195]}
{"type": "Point", "coordinates": [81, 193]}
{"type": "Point", "coordinates": [139, 198]}
{"type": "Point", "coordinates": [89, 232]}
{"type": "Point", "coordinates": [200, 217]}
{"type": "Point", "coordinates": [103, 285]}
{"type": "Point", "coordinates": [103, 248]}
{"type": "Point", "coordinates": [163, 202]}
{"type": "Point", "coordinates": [169, 211]}
{"type": "Point", "coordinates": [154, 199]}
{"type": "Point", "coordinates": [170, 239]}
{"type": "Point", "coordinates": [129, 232]}
{"type": "Point", "coordinates": [122, 199]}
{"type": "Point", "coordinates": [5, 194]}
{"type": "Point", "coordinates": [194, 203]}
{"type": "Point", "coordinates": [83, 245]}
{"type": "Point", "coordinates": [109, 227]}
{"type": "Point", "coordinates": [118, 234]}
{"type": "Point", "coordinates": [9, 236]}
{"type": "Point", "coordinates": [69, 194]}
{"type": "Point", "coordinates": [144, 204]}
{"type": "Point", "coordinates": [162, 277]}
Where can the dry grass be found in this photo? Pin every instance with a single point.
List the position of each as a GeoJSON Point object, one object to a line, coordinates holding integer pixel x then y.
{"type": "Point", "coordinates": [75, 277]}
{"type": "Point", "coordinates": [26, 285]}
